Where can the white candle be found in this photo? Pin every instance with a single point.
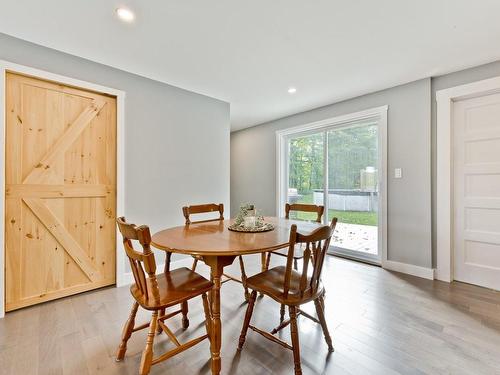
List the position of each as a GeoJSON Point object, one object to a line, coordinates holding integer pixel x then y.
{"type": "Point", "coordinates": [249, 222]}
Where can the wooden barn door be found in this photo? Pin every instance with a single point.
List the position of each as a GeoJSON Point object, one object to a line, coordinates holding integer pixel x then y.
{"type": "Point", "coordinates": [60, 200]}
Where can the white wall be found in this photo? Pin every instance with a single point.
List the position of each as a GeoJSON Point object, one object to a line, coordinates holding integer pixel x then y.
{"type": "Point", "coordinates": [176, 141]}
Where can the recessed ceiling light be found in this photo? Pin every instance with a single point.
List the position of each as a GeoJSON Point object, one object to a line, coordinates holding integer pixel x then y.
{"type": "Point", "coordinates": [292, 90]}
{"type": "Point", "coordinates": [125, 14]}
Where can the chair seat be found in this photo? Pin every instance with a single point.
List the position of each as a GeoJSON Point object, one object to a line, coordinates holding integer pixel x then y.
{"type": "Point", "coordinates": [271, 283]}
{"type": "Point", "coordinates": [298, 252]}
{"type": "Point", "coordinates": [174, 287]}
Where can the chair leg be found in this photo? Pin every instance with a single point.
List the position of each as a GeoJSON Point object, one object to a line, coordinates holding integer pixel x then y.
{"type": "Point", "coordinates": [168, 256]}
{"type": "Point", "coordinates": [295, 339]}
{"type": "Point", "coordinates": [246, 322]}
{"type": "Point", "coordinates": [268, 261]}
{"type": "Point", "coordinates": [127, 332]}
{"type": "Point", "coordinates": [282, 313]}
{"type": "Point", "coordinates": [263, 265]}
{"type": "Point", "coordinates": [159, 330]}
{"type": "Point", "coordinates": [320, 310]}
{"type": "Point", "coordinates": [295, 265]}
{"type": "Point", "coordinates": [208, 321]}
{"type": "Point", "coordinates": [195, 263]}
{"type": "Point", "coordinates": [185, 320]}
{"type": "Point", "coordinates": [147, 354]}
{"type": "Point", "coordinates": [244, 278]}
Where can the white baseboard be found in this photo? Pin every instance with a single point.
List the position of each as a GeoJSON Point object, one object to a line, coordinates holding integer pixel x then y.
{"type": "Point", "coordinates": [128, 278]}
{"type": "Point", "coordinates": [410, 269]}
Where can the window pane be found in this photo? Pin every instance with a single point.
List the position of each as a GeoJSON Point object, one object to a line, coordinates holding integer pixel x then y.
{"type": "Point", "coordinates": [305, 173]}
{"type": "Point", "coordinates": [353, 186]}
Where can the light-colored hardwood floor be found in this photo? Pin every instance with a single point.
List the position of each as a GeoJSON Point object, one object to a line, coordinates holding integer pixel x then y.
{"type": "Point", "coordinates": [381, 323]}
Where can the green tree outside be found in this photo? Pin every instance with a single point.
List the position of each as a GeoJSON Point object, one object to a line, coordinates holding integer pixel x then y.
{"type": "Point", "coordinates": [350, 150]}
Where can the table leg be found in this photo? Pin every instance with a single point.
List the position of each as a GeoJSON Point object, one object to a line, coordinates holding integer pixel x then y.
{"type": "Point", "coordinates": [216, 265]}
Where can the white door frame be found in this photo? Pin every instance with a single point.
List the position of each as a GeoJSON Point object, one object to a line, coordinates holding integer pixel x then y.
{"type": "Point", "coordinates": [379, 113]}
{"type": "Point", "coordinates": [444, 158]}
{"type": "Point", "coordinates": [6, 66]}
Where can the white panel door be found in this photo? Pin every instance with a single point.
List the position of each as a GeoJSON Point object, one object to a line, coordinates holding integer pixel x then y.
{"type": "Point", "coordinates": [476, 157]}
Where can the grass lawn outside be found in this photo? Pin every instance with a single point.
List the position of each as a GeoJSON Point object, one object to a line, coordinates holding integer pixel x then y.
{"type": "Point", "coordinates": [348, 217]}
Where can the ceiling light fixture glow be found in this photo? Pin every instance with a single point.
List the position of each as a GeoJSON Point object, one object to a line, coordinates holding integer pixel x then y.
{"type": "Point", "coordinates": [125, 14]}
{"type": "Point", "coordinates": [292, 90]}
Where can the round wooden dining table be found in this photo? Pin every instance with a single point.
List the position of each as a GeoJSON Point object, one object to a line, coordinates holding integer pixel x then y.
{"type": "Point", "coordinates": [218, 246]}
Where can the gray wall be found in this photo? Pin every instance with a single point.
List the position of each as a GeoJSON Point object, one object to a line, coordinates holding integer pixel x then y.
{"type": "Point", "coordinates": [443, 82]}
{"type": "Point", "coordinates": [176, 141]}
{"type": "Point", "coordinates": [253, 165]}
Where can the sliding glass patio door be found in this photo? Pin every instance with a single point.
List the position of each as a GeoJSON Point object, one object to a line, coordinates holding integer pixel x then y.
{"type": "Point", "coordinates": [353, 189]}
{"type": "Point", "coordinates": [339, 166]}
{"type": "Point", "coordinates": [306, 172]}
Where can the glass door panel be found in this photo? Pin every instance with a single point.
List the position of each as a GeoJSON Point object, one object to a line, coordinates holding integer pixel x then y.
{"type": "Point", "coordinates": [353, 189]}
{"type": "Point", "coordinates": [306, 178]}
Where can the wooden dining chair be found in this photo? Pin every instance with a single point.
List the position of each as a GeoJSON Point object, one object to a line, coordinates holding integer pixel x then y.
{"type": "Point", "coordinates": [187, 211]}
{"type": "Point", "coordinates": [319, 210]}
{"type": "Point", "coordinates": [204, 209]}
{"type": "Point", "coordinates": [298, 253]}
{"type": "Point", "coordinates": [294, 288]}
{"type": "Point", "coordinates": [157, 293]}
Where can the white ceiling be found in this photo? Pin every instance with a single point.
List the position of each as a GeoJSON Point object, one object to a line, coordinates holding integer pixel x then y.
{"type": "Point", "coordinates": [250, 52]}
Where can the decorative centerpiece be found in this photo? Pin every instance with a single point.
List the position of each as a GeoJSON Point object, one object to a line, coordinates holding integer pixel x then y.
{"type": "Point", "coordinates": [248, 221]}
